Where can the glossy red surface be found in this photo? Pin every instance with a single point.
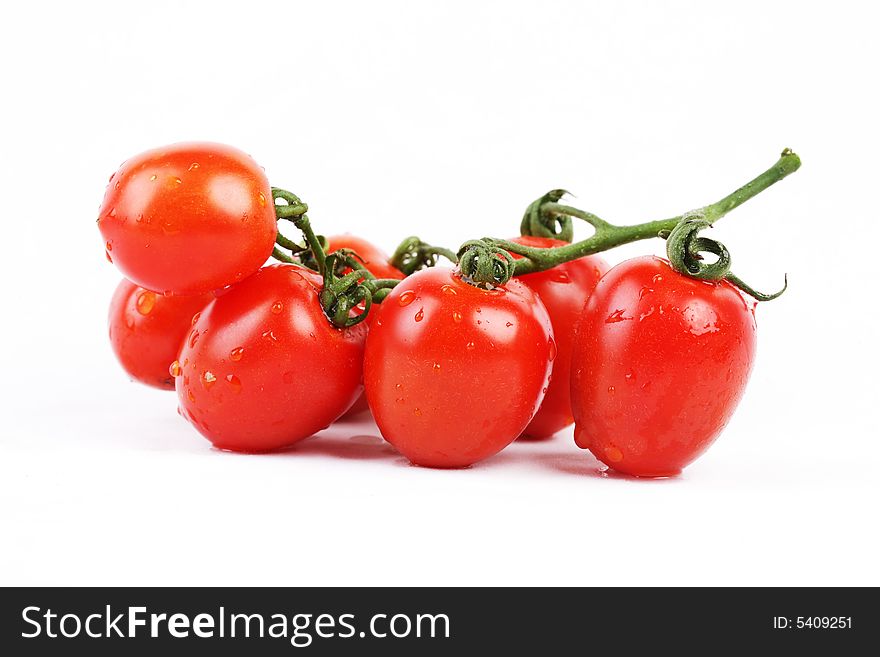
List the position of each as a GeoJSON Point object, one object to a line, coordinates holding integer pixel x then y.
{"type": "Point", "coordinates": [188, 218]}
{"type": "Point", "coordinates": [147, 329]}
{"type": "Point", "coordinates": [660, 362]}
{"type": "Point", "coordinates": [263, 368]}
{"type": "Point", "coordinates": [453, 373]}
{"type": "Point", "coordinates": [564, 290]}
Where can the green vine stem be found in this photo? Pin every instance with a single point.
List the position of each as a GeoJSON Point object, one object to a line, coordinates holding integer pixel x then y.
{"type": "Point", "coordinates": [608, 235]}
{"type": "Point", "coordinates": [350, 290]}
{"type": "Point", "coordinates": [346, 299]}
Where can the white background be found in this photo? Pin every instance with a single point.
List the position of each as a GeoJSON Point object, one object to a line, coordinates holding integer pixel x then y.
{"type": "Point", "coordinates": [444, 119]}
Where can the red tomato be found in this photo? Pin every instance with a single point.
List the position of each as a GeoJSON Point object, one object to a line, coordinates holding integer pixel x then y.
{"type": "Point", "coordinates": [263, 367]}
{"type": "Point", "coordinates": [376, 262]}
{"type": "Point", "coordinates": [372, 257]}
{"type": "Point", "coordinates": [564, 290]}
{"type": "Point", "coordinates": [147, 329]}
{"type": "Point", "coordinates": [454, 373]}
{"type": "Point", "coordinates": [660, 362]}
{"type": "Point", "coordinates": [188, 218]}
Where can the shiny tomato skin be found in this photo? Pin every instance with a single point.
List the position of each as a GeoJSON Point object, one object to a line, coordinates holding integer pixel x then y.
{"type": "Point", "coordinates": [188, 218]}
{"type": "Point", "coordinates": [453, 373]}
{"type": "Point", "coordinates": [146, 331]}
{"type": "Point", "coordinates": [564, 290]}
{"type": "Point", "coordinates": [263, 367]}
{"type": "Point", "coordinates": [660, 362]}
{"type": "Point", "coordinates": [373, 258]}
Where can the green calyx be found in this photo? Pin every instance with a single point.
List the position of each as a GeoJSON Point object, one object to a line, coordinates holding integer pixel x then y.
{"type": "Point", "coordinates": [543, 218]}
{"type": "Point", "coordinates": [685, 246]}
{"type": "Point", "coordinates": [484, 264]}
{"type": "Point", "coordinates": [348, 290]}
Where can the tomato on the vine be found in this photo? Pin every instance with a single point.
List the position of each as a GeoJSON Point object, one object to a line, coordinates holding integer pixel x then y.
{"type": "Point", "coordinates": [188, 218]}
{"type": "Point", "coordinates": [147, 330]}
{"type": "Point", "coordinates": [377, 263]}
{"type": "Point", "coordinates": [371, 257]}
{"type": "Point", "coordinates": [564, 290]}
{"type": "Point", "coordinates": [263, 368]}
{"type": "Point", "coordinates": [660, 362]}
{"type": "Point", "coordinates": [454, 372]}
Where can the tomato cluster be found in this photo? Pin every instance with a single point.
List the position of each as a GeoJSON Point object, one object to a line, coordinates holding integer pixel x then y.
{"type": "Point", "coordinates": [647, 362]}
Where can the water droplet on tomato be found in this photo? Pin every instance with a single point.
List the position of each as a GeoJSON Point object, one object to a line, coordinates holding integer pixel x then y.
{"type": "Point", "coordinates": [270, 335]}
{"type": "Point", "coordinates": [193, 166]}
{"type": "Point", "coordinates": [420, 315]}
{"type": "Point", "coordinates": [236, 353]}
{"type": "Point", "coordinates": [469, 346]}
{"type": "Point", "coordinates": [112, 212]}
{"type": "Point", "coordinates": [145, 302]}
{"type": "Point", "coordinates": [193, 338]}
{"type": "Point", "coordinates": [616, 316]}
{"type": "Point", "coordinates": [107, 255]}
{"type": "Point", "coordinates": [175, 370]}
{"type": "Point", "coordinates": [153, 178]}
{"type": "Point", "coordinates": [177, 181]}
{"type": "Point", "coordinates": [562, 277]}
{"type": "Point", "coordinates": [190, 396]}
{"type": "Point", "coordinates": [195, 319]}
{"type": "Point", "coordinates": [109, 246]}
{"type": "Point", "coordinates": [509, 324]}
{"type": "Point", "coordinates": [208, 379]}
{"type": "Point", "coordinates": [644, 291]}
{"type": "Point", "coordinates": [610, 390]}
{"type": "Point", "coordinates": [406, 298]}
{"type": "Point", "coordinates": [613, 454]}
{"type": "Point", "coordinates": [581, 438]}
{"type": "Point", "coordinates": [456, 316]}
{"type": "Point", "coordinates": [657, 278]}
{"type": "Point", "coordinates": [629, 376]}
{"type": "Point", "coordinates": [436, 368]}
{"type": "Point", "coordinates": [448, 289]}
{"type": "Point", "coordinates": [234, 382]}
{"type": "Point", "coordinates": [554, 350]}
{"type": "Point", "coordinates": [417, 413]}
{"type": "Point", "coordinates": [277, 307]}
{"type": "Point", "coordinates": [262, 200]}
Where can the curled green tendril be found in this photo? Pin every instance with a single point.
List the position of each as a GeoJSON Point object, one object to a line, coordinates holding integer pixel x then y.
{"type": "Point", "coordinates": [483, 263]}
{"type": "Point", "coordinates": [752, 292]}
{"type": "Point", "coordinates": [539, 222]}
{"type": "Point", "coordinates": [413, 254]}
{"type": "Point", "coordinates": [685, 246]}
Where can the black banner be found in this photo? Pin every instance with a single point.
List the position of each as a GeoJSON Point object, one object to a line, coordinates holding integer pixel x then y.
{"type": "Point", "coordinates": [279, 621]}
